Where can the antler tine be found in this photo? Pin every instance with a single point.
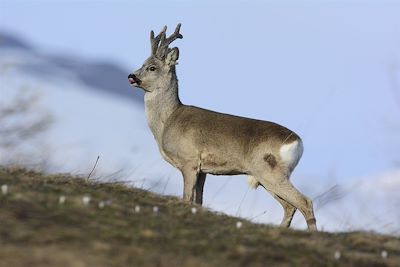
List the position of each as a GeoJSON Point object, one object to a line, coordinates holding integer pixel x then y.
{"type": "Point", "coordinates": [155, 41]}
{"type": "Point", "coordinates": [152, 42]}
{"type": "Point", "coordinates": [174, 36]}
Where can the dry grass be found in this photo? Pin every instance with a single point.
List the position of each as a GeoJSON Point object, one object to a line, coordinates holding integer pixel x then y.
{"type": "Point", "coordinates": [35, 230]}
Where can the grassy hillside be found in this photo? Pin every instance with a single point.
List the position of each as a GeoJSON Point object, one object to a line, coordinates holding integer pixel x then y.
{"type": "Point", "coordinates": [36, 230]}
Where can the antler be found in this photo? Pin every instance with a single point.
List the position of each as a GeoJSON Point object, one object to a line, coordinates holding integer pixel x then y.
{"type": "Point", "coordinates": [159, 44]}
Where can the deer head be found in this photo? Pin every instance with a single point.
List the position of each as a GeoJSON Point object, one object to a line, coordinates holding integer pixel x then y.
{"type": "Point", "coordinates": [159, 69]}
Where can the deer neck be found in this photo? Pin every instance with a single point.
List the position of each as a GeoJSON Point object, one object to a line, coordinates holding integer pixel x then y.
{"type": "Point", "coordinates": [160, 104]}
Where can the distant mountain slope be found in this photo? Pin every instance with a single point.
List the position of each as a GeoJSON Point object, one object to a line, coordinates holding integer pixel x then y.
{"type": "Point", "coordinates": [40, 228]}
{"type": "Point", "coordinates": [104, 76]}
{"type": "Point", "coordinates": [94, 109]}
{"type": "Point", "coordinates": [10, 41]}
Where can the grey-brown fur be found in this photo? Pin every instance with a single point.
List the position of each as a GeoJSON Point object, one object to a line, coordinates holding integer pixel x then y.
{"type": "Point", "coordinates": [199, 141]}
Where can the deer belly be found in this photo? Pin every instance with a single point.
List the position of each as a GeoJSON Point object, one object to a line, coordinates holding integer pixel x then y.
{"type": "Point", "coordinates": [220, 164]}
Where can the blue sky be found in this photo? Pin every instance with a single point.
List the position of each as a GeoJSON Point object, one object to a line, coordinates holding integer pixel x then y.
{"type": "Point", "coordinates": [321, 69]}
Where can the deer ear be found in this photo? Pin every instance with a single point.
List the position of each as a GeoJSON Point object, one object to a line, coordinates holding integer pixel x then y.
{"type": "Point", "coordinates": [172, 56]}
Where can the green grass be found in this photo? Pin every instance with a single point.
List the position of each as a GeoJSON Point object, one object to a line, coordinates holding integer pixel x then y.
{"type": "Point", "coordinates": [35, 230]}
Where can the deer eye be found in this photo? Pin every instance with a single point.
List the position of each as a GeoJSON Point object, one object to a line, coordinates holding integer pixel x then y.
{"type": "Point", "coordinates": [152, 68]}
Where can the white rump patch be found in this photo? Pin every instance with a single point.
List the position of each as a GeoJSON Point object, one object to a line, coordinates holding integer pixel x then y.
{"type": "Point", "coordinates": [291, 153]}
{"type": "Point", "coordinates": [253, 183]}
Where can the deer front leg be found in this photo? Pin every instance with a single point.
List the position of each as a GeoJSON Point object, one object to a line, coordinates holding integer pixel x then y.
{"type": "Point", "coordinates": [189, 183]}
{"type": "Point", "coordinates": [201, 179]}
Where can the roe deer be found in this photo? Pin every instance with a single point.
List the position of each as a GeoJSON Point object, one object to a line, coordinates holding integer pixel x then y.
{"type": "Point", "coordinates": [199, 141]}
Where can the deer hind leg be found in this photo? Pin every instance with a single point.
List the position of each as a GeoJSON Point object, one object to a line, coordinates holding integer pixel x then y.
{"type": "Point", "coordinates": [280, 186]}
{"type": "Point", "coordinates": [288, 209]}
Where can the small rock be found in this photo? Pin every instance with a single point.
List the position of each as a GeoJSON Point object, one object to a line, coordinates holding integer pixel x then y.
{"type": "Point", "coordinates": [101, 204]}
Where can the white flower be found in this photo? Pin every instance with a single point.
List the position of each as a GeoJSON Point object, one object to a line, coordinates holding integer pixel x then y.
{"type": "Point", "coordinates": [86, 200]}
{"type": "Point", "coordinates": [194, 210]}
{"type": "Point", "coordinates": [337, 255]}
{"type": "Point", "coordinates": [384, 254]}
{"type": "Point", "coordinates": [61, 200]}
{"type": "Point", "coordinates": [137, 208]}
{"type": "Point", "coordinates": [4, 189]}
{"type": "Point", "coordinates": [101, 204]}
{"type": "Point", "coordinates": [239, 225]}
{"type": "Point", "coordinates": [155, 209]}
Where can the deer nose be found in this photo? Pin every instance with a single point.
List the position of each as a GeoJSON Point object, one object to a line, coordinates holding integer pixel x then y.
{"type": "Point", "coordinates": [133, 79]}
